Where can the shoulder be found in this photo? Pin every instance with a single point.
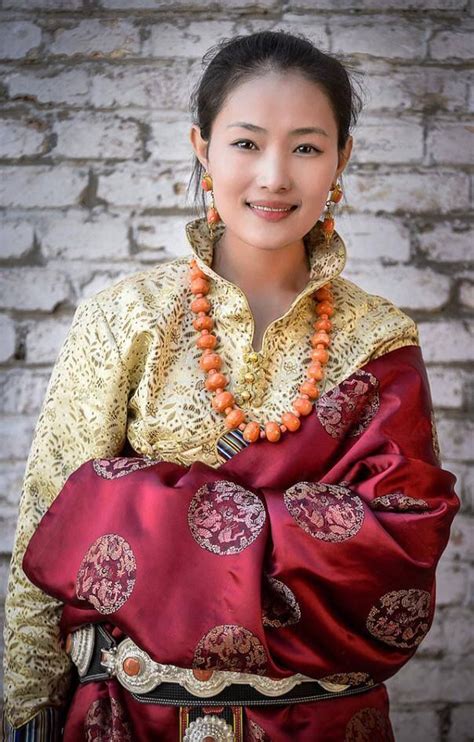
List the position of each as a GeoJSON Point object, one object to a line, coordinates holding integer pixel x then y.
{"type": "Point", "coordinates": [372, 322]}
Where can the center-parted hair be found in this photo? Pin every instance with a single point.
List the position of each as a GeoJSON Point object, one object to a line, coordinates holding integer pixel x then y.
{"type": "Point", "coordinates": [234, 61]}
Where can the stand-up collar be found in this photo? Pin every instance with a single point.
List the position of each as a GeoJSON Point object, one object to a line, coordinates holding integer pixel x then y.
{"type": "Point", "coordinates": [326, 261]}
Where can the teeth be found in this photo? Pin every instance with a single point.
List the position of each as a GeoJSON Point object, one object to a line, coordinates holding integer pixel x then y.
{"type": "Point", "coordinates": [267, 208]}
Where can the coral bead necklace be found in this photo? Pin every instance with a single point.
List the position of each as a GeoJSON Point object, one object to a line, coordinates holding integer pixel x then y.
{"type": "Point", "coordinates": [216, 382]}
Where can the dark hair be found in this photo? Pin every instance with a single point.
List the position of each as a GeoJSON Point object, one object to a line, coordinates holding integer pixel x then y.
{"type": "Point", "coordinates": [236, 60]}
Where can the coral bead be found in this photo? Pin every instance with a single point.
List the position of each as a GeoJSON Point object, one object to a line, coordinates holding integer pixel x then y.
{"type": "Point", "coordinates": [215, 381]}
{"type": "Point", "coordinates": [210, 360]}
{"type": "Point", "coordinates": [200, 305]}
{"type": "Point", "coordinates": [206, 183]}
{"type": "Point", "coordinates": [291, 421]}
{"type": "Point", "coordinates": [310, 389]}
{"type": "Point", "coordinates": [320, 338]}
{"type": "Point", "coordinates": [199, 286]}
{"type": "Point", "coordinates": [203, 323]}
{"type": "Point", "coordinates": [235, 418]}
{"type": "Point", "coordinates": [324, 293]}
{"type": "Point", "coordinates": [206, 341]}
{"type": "Point", "coordinates": [222, 401]}
{"type": "Point", "coordinates": [315, 371]}
{"type": "Point", "coordinates": [336, 194]}
{"type": "Point", "coordinates": [319, 354]}
{"type": "Point", "coordinates": [325, 308]}
{"type": "Point", "coordinates": [303, 406]}
{"type": "Point", "coordinates": [251, 432]}
{"type": "Point", "coordinates": [212, 215]}
{"type": "Point", "coordinates": [272, 431]}
{"type": "Point", "coordinates": [196, 272]}
{"type": "Point", "coordinates": [323, 324]}
{"type": "Point", "coordinates": [328, 224]}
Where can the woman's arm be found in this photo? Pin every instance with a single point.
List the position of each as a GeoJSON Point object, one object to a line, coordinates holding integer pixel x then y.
{"type": "Point", "coordinates": [83, 416]}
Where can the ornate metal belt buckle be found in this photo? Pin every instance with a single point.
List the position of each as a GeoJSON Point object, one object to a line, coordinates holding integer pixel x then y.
{"type": "Point", "coordinates": [210, 725]}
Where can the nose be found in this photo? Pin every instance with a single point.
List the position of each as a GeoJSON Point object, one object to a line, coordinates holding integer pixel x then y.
{"type": "Point", "coordinates": [273, 171]}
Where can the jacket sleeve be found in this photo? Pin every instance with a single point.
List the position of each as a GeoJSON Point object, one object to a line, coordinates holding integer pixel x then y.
{"type": "Point", "coordinates": [83, 416]}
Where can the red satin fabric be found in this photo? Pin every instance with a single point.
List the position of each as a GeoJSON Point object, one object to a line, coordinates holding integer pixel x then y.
{"type": "Point", "coordinates": [314, 555]}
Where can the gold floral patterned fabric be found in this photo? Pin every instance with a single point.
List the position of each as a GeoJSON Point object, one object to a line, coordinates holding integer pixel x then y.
{"type": "Point", "coordinates": [128, 371]}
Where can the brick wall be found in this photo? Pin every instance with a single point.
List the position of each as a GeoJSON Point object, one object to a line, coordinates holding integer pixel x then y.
{"type": "Point", "coordinates": [95, 159]}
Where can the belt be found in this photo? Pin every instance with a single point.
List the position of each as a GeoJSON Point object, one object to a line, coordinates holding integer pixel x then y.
{"type": "Point", "coordinates": [98, 656]}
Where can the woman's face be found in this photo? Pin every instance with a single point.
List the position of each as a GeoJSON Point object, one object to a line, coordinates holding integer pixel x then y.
{"type": "Point", "coordinates": [272, 163]}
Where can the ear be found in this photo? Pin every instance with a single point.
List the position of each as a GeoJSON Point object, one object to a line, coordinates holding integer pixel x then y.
{"type": "Point", "coordinates": [199, 145]}
{"type": "Point", "coordinates": [344, 157]}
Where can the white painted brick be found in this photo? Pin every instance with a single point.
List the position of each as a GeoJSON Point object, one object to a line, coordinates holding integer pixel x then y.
{"type": "Point", "coordinates": [456, 439]}
{"type": "Point", "coordinates": [460, 546]}
{"type": "Point", "coordinates": [54, 5]}
{"type": "Point", "coordinates": [100, 136]}
{"type": "Point", "coordinates": [387, 140]}
{"type": "Point", "coordinates": [213, 5]}
{"type": "Point", "coordinates": [76, 236]}
{"type": "Point", "coordinates": [164, 235]}
{"type": "Point", "coordinates": [4, 572]}
{"type": "Point", "coordinates": [378, 5]}
{"type": "Point", "coordinates": [464, 472]}
{"type": "Point", "coordinates": [8, 520]}
{"type": "Point", "coordinates": [144, 186]}
{"type": "Point", "coordinates": [41, 186]}
{"type": "Point", "coordinates": [169, 140]}
{"type": "Point", "coordinates": [417, 682]}
{"type": "Point", "coordinates": [369, 237]}
{"type": "Point", "coordinates": [57, 86]}
{"type": "Point", "coordinates": [22, 390]}
{"type": "Point", "coordinates": [412, 192]}
{"type": "Point", "coordinates": [44, 339]}
{"type": "Point", "coordinates": [17, 38]}
{"type": "Point", "coordinates": [98, 38]}
{"type": "Point", "coordinates": [466, 294]}
{"type": "Point", "coordinates": [11, 482]}
{"type": "Point", "coordinates": [444, 244]}
{"type": "Point", "coordinates": [462, 723]}
{"type": "Point", "coordinates": [7, 338]}
{"type": "Point", "coordinates": [429, 87]}
{"type": "Point", "coordinates": [458, 631]}
{"type": "Point", "coordinates": [22, 138]}
{"type": "Point", "coordinates": [415, 724]}
{"type": "Point", "coordinates": [171, 40]}
{"type": "Point", "coordinates": [433, 643]}
{"type": "Point", "coordinates": [452, 44]}
{"type": "Point", "coordinates": [16, 433]}
{"type": "Point", "coordinates": [166, 85]}
{"type": "Point", "coordinates": [404, 285]}
{"type": "Point", "coordinates": [452, 581]}
{"type": "Point", "coordinates": [448, 339]}
{"type": "Point", "coordinates": [33, 289]}
{"type": "Point", "coordinates": [447, 386]}
{"type": "Point", "coordinates": [450, 143]}
{"type": "Point", "coordinates": [16, 238]}
{"type": "Point", "coordinates": [401, 40]}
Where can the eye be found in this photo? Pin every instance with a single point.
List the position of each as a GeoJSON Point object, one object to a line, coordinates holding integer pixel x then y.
{"type": "Point", "coordinates": [310, 146]}
{"type": "Point", "coordinates": [242, 141]}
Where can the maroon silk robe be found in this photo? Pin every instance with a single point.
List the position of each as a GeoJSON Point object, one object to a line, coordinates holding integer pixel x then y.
{"type": "Point", "coordinates": [315, 555]}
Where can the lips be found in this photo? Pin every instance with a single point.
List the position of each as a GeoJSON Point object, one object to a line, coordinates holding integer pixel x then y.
{"type": "Point", "coordinates": [272, 204]}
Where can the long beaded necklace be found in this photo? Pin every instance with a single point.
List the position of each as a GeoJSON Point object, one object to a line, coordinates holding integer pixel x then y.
{"type": "Point", "coordinates": [223, 401]}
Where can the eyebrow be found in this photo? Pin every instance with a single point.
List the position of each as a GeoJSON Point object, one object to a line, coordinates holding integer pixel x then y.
{"type": "Point", "coordinates": [301, 130]}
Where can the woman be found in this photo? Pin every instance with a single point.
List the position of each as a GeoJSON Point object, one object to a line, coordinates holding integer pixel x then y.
{"type": "Point", "coordinates": [220, 560]}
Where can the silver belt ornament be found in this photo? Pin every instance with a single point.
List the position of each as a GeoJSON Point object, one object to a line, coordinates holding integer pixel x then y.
{"type": "Point", "coordinates": [138, 673]}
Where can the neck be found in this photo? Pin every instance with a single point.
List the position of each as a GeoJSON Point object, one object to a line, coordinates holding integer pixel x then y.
{"type": "Point", "coordinates": [260, 272]}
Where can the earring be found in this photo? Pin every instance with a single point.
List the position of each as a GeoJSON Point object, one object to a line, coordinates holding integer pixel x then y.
{"type": "Point", "coordinates": [328, 221]}
{"type": "Point", "coordinates": [213, 216]}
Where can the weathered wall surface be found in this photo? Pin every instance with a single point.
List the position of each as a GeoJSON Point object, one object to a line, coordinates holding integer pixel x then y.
{"type": "Point", "coordinates": [95, 158]}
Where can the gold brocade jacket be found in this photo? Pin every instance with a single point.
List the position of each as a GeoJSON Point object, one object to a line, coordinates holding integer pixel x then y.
{"type": "Point", "coordinates": [129, 370]}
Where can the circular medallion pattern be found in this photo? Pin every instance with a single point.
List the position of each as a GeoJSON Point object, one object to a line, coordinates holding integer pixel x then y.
{"type": "Point", "coordinates": [350, 406]}
{"type": "Point", "coordinates": [107, 573]}
{"type": "Point", "coordinates": [401, 618]}
{"type": "Point", "coordinates": [225, 518]}
{"type": "Point", "coordinates": [279, 605]}
{"type": "Point", "coordinates": [397, 501]}
{"type": "Point", "coordinates": [106, 722]}
{"type": "Point", "coordinates": [329, 512]}
{"type": "Point", "coordinates": [369, 725]}
{"type": "Point", "coordinates": [233, 648]}
{"type": "Point", "coordinates": [120, 466]}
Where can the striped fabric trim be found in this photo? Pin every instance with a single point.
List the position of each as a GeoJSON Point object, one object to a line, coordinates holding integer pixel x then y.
{"type": "Point", "coordinates": [45, 726]}
{"type": "Point", "coordinates": [231, 443]}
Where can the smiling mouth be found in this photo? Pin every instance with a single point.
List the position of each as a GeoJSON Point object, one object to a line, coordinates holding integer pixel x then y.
{"type": "Point", "coordinates": [268, 208]}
